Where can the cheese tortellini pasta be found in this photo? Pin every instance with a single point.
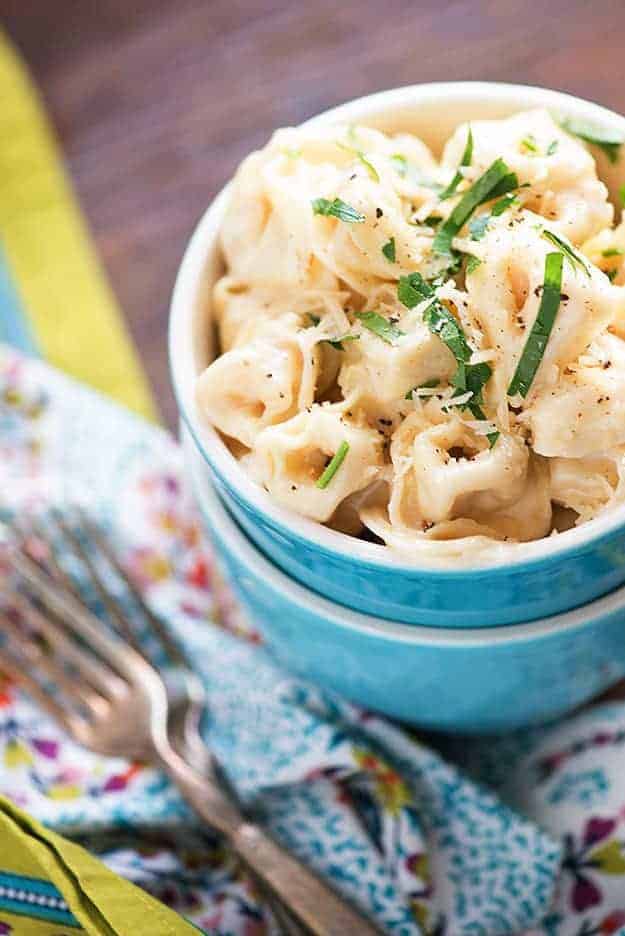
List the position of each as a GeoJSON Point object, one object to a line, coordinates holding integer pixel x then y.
{"type": "Point", "coordinates": [425, 352]}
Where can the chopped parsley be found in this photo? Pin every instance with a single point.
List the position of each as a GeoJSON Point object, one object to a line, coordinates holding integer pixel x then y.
{"type": "Point", "coordinates": [495, 182]}
{"type": "Point", "coordinates": [575, 259]}
{"type": "Point", "coordinates": [380, 326]}
{"type": "Point", "coordinates": [389, 250]}
{"type": "Point", "coordinates": [612, 274]}
{"type": "Point", "coordinates": [337, 209]}
{"type": "Point", "coordinates": [553, 146]}
{"type": "Point", "coordinates": [333, 466]}
{"type": "Point", "coordinates": [609, 141]}
{"type": "Point", "coordinates": [613, 252]}
{"type": "Point", "coordinates": [465, 161]}
{"type": "Point", "coordinates": [536, 343]}
{"type": "Point", "coordinates": [621, 195]}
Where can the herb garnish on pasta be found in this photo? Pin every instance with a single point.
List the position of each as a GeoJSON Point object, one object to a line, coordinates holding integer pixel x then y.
{"type": "Point", "coordinates": [534, 349]}
{"type": "Point", "coordinates": [442, 368]}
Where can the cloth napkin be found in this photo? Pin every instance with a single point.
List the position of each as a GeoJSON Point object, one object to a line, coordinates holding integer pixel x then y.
{"type": "Point", "coordinates": [527, 837]}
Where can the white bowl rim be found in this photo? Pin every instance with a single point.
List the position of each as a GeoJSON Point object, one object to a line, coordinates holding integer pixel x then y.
{"type": "Point", "coordinates": [250, 557]}
{"type": "Point", "coordinates": [190, 279]}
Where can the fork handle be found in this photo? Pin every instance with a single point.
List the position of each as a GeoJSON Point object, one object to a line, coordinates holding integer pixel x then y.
{"type": "Point", "coordinates": [311, 901]}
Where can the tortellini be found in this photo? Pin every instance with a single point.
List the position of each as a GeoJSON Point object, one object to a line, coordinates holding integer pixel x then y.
{"type": "Point", "coordinates": [560, 173]}
{"type": "Point", "coordinates": [290, 460]}
{"type": "Point", "coordinates": [396, 360]}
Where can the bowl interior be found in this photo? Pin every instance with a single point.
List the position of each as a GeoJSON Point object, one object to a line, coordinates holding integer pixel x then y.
{"type": "Point", "coordinates": [432, 111]}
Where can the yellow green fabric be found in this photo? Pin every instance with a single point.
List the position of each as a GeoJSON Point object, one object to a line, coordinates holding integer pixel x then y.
{"type": "Point", "coordinates": [51, 262]}
{"type": "Point", "coordinates": [100, 902]}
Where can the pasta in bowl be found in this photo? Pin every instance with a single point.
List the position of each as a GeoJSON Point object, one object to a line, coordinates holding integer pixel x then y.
{"type": "Point", "coordinates": [422, 352]}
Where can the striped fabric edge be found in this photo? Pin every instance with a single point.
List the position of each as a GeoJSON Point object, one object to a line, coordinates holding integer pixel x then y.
{"type": "Point", "coordinates": [34, 898]}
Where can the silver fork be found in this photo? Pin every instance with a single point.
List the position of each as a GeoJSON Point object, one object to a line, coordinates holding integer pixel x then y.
{"type": "Point", "coordinates": [185, 692]}
{"type": "Point", "coordinates": [112, 701]}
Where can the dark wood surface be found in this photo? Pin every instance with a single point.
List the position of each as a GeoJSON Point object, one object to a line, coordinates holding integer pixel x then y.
{"type": "Point", "coordinates": [156, 101]}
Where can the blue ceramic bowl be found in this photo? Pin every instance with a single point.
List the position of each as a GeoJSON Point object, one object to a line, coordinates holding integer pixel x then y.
{"type": "Point", "coordinates": [457, 680]}
{"type": "Point", "coordinates": [536, 579]}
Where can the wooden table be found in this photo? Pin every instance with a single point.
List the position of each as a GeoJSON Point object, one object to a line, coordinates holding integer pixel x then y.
{"type": "Point", "coordinates": [156, 102]}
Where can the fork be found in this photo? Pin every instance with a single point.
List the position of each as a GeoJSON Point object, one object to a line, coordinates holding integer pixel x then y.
{"type": "Point", "coordinates": [108, 697]}
{"type": "Point", "coordinates": [185, 692]}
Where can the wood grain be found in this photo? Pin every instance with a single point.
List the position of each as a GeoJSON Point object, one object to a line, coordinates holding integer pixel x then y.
{"type": "Point", "coordinates": [156, 102]}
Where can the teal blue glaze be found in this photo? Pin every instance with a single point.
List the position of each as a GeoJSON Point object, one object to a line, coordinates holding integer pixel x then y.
{"type": "Point", "coordinates": [463, 681]}
{"type": "Point", "coordinates": [439, 598]}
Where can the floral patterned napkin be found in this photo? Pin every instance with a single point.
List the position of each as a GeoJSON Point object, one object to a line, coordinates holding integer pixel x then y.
{"type": "Point", "coordinates": [525, 836]}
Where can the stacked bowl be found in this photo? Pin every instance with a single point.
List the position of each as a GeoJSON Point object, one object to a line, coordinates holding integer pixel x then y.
{"type": "Point", "coordinates": [470, 649]}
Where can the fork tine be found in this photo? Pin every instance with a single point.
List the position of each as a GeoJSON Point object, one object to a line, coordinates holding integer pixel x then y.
{"type": "Point", "coordinates": [169, 644]}
{"type": "Point", "coordinates": [120, 658]}
{"type": "Point", "coordinates": [97, 674]}
{"type": "Point", "coordinates": [119, 619]}
{"type": "Point", "coordinates": [75, 690]}
{"type": "Point", "coordinates": [16, 668]}
{"type": "Point", "coordinates": [36, 530]}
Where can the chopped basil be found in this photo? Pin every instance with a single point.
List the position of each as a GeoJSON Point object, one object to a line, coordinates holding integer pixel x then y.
{"type": "Point", "coordinates": [467, 156]}
{"type": "Point", "coordinates": [372, 171]}
{"type": "Point", "coordinates": [609, 141]}
{"type": "Point", "coordinates": [338, 342]}
{"type": "Point", "coordinates": [360, 156]}
{"type": "Point", "coordinates": [335, 342]}
{"type": "Point", "coordinates": [613, 252]}
{"type": "Point", "coordinates": [333, 466]}
{"type": "Point", "coordinates": [472, 264]}
{"type": "Point", "coordinates": [380, 326]}
{"type": "Point", "coordinates": [413, 289]}
{"type": "Point", "coordinates": [478, 226]}
{"type": "Point", "coordinates": [389, 250]}
{"type": "Point", "coordinates": [552, 147]}
{"type": "Point", "coordinates": [503, 204]}
{"type": "Point", "coordinates": [529, 143]}
{"type": "Point", "coordinates": [442, 323]}
{"type": "Point", "coordinates": [576, 260]}
{"type": "Point", "coordinates": [612, 274]}
{"type": "Point", "coordinates": [472, 377]}
{"type": "Point", "coordinates": [428, 385]}
{"type": "Point", "coordinates": [337, 209]}
{"type": "Point", "coordinates": [536, 343]}
{"type": "Point", "coordinates": [496, 181]}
